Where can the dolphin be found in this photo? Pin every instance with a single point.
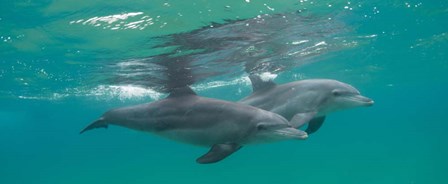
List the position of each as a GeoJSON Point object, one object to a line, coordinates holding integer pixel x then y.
{"type": "Point", "coordinates": [186, 117]}
{"type": "Point", "coordinates": [306, 100]}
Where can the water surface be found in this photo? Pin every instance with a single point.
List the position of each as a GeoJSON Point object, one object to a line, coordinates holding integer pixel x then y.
{"type": "Point", "coordinates": [63, 63]}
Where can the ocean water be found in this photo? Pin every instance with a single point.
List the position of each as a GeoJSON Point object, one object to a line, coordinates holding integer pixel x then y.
{"type": "Point", "coordinates": [63, 63]}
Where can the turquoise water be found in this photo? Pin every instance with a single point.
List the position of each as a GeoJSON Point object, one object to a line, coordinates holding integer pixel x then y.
{"type": "Point", "coordinates": [63, 63]}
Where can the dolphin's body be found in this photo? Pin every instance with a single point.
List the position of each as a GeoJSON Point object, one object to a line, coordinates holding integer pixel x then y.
{"type": "Point", "coordinates": [184, 116]}
{"type": "Point", "coordinates": [306, 100]}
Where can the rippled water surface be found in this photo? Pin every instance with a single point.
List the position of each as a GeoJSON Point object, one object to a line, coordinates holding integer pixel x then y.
{"type": "Point", "coordinates": [63, 63]}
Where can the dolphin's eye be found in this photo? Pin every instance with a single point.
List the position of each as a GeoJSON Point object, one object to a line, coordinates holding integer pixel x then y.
{"type": "Point", "coordinates": [337, 93]}
{"type": "Point", "coordinates": [261, 127]}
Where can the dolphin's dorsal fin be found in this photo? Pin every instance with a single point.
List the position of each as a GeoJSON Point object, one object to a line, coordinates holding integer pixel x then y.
{"type": "Point", "coordinates": [182, 91]}
{"type": "Point", "coordinates": [259, 84]}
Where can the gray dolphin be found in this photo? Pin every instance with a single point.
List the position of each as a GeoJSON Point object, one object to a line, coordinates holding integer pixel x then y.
{"type": "Point", "coordinates": [305, 100]}
{"type": "Point", "coordinates": [183, 116]}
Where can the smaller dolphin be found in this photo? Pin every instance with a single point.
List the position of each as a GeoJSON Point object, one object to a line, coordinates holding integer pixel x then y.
{"type": "Point", "coordinates": [183, 116]}
{"type": "Point", "coordinates": [306, 100]}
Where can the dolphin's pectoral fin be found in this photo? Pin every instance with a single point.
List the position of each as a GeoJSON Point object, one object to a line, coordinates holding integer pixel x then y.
{"type": "Point", "coordinates": [97, 124]}
{"type": "Point", "coordinates": [315, 124]}
{"type": "Point", "coordinates": [218, 152]}
{"type": "Point", "coordinates": [301, 118]}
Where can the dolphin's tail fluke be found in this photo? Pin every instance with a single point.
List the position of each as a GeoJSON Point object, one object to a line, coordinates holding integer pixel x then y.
{"type": "Point", "coordinates": [97, 124]}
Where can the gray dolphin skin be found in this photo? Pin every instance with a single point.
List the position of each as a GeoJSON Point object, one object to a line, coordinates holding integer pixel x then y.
{"type": "Point", "coordinates": [306, 101]}
{"type": "Point", "coordinates": [221, 125]}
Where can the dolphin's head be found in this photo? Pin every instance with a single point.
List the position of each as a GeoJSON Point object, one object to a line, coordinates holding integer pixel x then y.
{"type": "Point", "coordinates": [271, 132]}
{"type": "Point", "coordinates": [343, 96]}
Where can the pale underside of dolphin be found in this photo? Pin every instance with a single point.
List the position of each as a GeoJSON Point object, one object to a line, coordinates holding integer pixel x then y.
{"type": "Point", "coordinates": [224, 126]}
{"type": "Point", "coordinates": [306, 100]}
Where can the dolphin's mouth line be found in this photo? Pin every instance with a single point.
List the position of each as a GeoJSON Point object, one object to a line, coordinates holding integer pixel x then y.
{"type": "Point", "coordinates": [361, 99]}
{"type": "Point", "coordinates": [296, 133]}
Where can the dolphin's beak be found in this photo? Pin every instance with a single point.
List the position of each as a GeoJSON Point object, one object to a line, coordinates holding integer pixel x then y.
{"type": "Point", "coordinates": [364, 101]}
{"type": "Point", "coordinates": [293, 133]}
{"type": "Point", "coordinates": [303, 135]}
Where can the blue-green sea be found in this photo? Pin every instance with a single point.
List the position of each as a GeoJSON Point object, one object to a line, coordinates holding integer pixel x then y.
{"type": "Point", "coordinates": [63, 63]}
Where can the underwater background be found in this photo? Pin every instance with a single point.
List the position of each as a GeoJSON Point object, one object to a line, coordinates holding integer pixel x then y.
{"type": "Point", "coordinates": [65, 62]}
